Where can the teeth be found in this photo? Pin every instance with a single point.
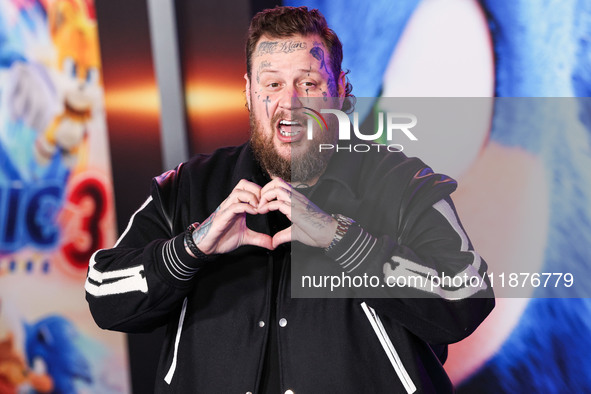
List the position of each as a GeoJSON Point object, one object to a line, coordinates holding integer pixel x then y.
{"type": "Point", "coordinates": [288, 134]}
{"type": "Point", "coordinates": [289, 122]}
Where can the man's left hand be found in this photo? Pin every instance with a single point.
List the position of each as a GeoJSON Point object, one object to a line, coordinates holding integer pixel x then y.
{"type": "Point", "coordinates": [310, 225]}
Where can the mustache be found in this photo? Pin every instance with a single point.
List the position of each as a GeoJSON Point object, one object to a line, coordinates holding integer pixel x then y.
{"type": "Point", "coordinates": [292, 115]}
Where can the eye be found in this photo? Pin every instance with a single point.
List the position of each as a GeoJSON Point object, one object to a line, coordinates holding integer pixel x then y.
{"type": "Point", "coordinates": [309, 84]}
{"type": "Point", "coordinates": [41, 338]}
{"type": "Point", "coordinates": [273, 85]}
{"type": "Point", "coordinates": [69, 67]}
{"type": "Point", "coordinates": [92, 76]}
{"type": "Point", "coordinates": [44, 336]}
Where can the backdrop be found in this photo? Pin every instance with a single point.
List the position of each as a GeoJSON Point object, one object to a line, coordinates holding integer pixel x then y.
{"type": "Point", "coordinates": [524, 193]}
{"type": "Point", "coordinates": [524, 177]}
{"type": "Point", "coordinates": [56, 201]}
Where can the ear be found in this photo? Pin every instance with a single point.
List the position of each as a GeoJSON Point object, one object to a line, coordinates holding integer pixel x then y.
{"type": "Point", "coordinates": [342, 89]}
{"type": "Point", "coordinates": [247, 90]}
{"type": "Point", "coordinates": [342, 84]}
{"type": "Point", "coordinates": [61, 14]}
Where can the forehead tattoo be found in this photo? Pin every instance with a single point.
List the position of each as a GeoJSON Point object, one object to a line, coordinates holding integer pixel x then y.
{"type": "Point", "coordinates": [270, 47]}
{"type": "Point", "coordinates": [263, 64]}
{"type": "Point", "coordinates": [318, 54]}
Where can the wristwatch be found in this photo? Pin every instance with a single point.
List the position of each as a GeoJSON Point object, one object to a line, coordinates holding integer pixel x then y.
{"type": "Point", "coordinates": [343, 224]}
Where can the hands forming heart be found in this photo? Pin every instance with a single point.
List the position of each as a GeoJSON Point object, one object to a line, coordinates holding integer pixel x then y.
{"type": "Point", "coordinates": [226, 230]}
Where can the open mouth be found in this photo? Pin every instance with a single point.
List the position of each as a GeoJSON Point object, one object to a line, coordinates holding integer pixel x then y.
{"type": "Point", "coordinates": [290, 130]}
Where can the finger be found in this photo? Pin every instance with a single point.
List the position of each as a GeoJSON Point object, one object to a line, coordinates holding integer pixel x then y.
{"type": "Point", "coordinates": [270, 185]}
{"type": "Point", "coordinates": [257, 239]}
{"type": "Point", "coordinates": [276, 182]}
{"type": "Point", "coordinates": [278, 193]}
{"type": "Point", "coordinates": [252, 187]}
{"type": "Point", "coordinates": [282, 237]}
{"type": "Point", "coordinates": [238, 208]}
{"type": "Point", "coordinates": [227, 215]}
{"type": "Point", "coordinates": [243, 196]}
{"type": "Point", "coordinates": [269, 195]}
{"type": "Point", "coordinates": [244, 191]}
{"type": "Point", "coordinates": [276, 205]}
{"type": "Point", "coordinates": [224, 219]}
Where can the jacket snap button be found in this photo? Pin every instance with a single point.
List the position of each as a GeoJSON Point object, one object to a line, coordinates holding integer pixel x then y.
{"type": "Point", "coordinates": [289, 392]}
{"type": "Point", "coordinates": [283, 323]}
{"type": "Point", "coordinates": [261, 324]}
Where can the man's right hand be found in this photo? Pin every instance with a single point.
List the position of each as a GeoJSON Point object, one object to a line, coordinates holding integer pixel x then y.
{"type": "Point", "coordinates": [225, 229]}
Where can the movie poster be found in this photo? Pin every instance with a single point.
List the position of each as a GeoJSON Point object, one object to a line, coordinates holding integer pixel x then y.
{"type": "Point", "coordinates": [56, 201]}
{"type": "Point", "coordinates": [521, 69]}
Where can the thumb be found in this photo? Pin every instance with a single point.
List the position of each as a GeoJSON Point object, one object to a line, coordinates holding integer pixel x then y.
{"type": "Point", "coordinates": [257, 239]}
{"type": "Point", "coordinates": [282, 237]}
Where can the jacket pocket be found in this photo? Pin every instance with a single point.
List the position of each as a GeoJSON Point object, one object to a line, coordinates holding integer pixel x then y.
{"type": "Point", "coordinates": [389, 349]}
{"type": "Point", "coordinates": [168, 377]}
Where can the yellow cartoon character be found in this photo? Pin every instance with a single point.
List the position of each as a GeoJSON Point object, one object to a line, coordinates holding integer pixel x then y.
{"type": "Point", "coordinates": [14, 373]}
{"type": "Point", "coordinates": [74, 35]}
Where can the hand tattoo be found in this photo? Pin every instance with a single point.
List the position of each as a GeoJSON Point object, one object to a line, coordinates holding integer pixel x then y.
{"type": "Point", "coordinates": [203, 229]}
{"type": "Point", "coordinates": [317, 217]}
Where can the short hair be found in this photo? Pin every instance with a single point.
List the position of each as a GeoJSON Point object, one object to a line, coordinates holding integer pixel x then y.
{"type": "Point", "coordinates": [283, 22]}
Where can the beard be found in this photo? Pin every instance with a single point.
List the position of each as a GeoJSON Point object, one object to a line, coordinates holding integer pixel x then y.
{"type": "Point", "coordinates": [304, 167]}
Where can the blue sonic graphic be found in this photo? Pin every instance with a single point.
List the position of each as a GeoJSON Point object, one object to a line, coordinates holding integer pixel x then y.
{"type": "Point", "coordinates": [542, 121]}
{"type": "Point", "coordinates": [52, 341]}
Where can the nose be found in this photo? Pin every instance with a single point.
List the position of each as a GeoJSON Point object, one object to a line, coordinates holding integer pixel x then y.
{"type": "Point", "coordinates": [290, 98]}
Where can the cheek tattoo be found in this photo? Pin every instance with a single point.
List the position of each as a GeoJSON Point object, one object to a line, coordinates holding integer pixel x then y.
{"type": "Point", "coordinates": [267, 101]}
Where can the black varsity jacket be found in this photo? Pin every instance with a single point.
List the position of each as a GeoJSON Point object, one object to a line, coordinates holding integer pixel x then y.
{"type": "Point", "coordinates": [385, 340]}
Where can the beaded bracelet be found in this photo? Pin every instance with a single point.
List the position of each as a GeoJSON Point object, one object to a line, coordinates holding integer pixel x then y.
{"type": "Point", "coordinates": [343, 224]}
{"type": "Point", "coordinates": [190, 244]}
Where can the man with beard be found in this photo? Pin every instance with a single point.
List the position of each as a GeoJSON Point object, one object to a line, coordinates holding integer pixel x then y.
{"type": "Point", "coordinates": [208, 253]}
